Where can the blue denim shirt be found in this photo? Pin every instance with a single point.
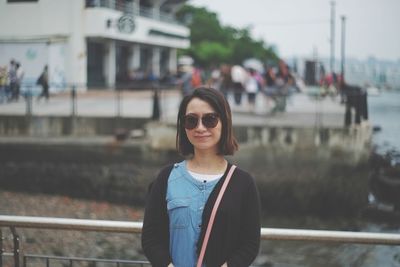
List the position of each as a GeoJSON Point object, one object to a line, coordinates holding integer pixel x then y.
{"type": "Point", "coordinates": [186, 198]}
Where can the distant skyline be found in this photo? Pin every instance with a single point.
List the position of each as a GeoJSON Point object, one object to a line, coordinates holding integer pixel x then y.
{"type": "Point", "coordinates": [302, 27]}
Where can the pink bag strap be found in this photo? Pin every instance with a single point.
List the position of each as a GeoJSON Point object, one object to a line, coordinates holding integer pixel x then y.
{"type": "Point", "coordinates": [212, 217]}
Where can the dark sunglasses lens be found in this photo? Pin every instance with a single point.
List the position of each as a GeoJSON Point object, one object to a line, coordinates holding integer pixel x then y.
{"type": "Point", "coordinates": [210, 120]}
{"type": "Point", "coordinates": [190, 122]}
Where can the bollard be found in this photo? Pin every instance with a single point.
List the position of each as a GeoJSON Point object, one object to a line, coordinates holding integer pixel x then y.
{"type": "Point", "coordinates": [73, 101]}
{"type": "Point", "coordinates": [28, 100]}
{"type": "Point", "coordinates": [156, 105]}
{"type": "Point", "coordinates": [118, 102]}
{"type": "Point", "coordinates": [364, 104]}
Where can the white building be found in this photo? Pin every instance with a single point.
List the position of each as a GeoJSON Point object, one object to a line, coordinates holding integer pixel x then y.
{"type": "Point", "coordinates": [94, 43]}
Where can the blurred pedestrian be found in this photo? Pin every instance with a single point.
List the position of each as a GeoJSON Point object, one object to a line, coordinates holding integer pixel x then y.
{"type": "Point", "coordinates": [43, 81]}
{"type": "Point", "coordinates": [12, 78]}
{"type": "Point", "coordinates": [215, 79]}
{"type": "Point", "coordinates": [185, 79]}
{"type": "Point", "coordinates": [3, 84]}
{"type": "Point", "coordinates": [251, 87]}
{"type": "Point", "coordinates": [20, 76]}
{"type": "Point", "coordinates": [226, 80]}
{"type": "Point", "coordinates": [239, 78]}
{"type": "Point", "coordinates": [180, 204]}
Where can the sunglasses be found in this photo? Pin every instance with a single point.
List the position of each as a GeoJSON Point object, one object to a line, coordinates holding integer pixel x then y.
{"type": "Point", "coordinates": [209, 120]}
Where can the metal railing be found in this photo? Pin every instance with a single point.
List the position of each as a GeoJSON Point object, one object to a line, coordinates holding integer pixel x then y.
{"type": "Point", "coordinates": [131, 8]}
{"type": "Point", "coordinates": [136, 227]}
{"type": "Point", "coordinates": [30, 95]}
{"type": "Point", "coordinates": [94, 261]}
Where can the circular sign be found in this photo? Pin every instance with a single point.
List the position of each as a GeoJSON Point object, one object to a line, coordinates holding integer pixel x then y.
{"type": "Point", "coordinates": [126, 24]}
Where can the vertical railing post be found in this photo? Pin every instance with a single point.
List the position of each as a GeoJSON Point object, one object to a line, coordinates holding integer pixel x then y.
{"type": "Point", "coordinates": [318, 111]}
{"type": "Point", "coordinates": [118, 102]}
{"type": "Point", "coordinates": [16, 246]}
{"type": "Point", "coordinates": [1, 248]}
{"type": "Point", "coordinates": [156, 114]}
{"type": "Point", "coordinates": [73, 101]}
{"type": "Point", "coordinates": [28, 100]}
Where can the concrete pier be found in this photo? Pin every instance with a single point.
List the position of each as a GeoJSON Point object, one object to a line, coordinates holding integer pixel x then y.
{"type": "Point", "coordinates": [309, 122]}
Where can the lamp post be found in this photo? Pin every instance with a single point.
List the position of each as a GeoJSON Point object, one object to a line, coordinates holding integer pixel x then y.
{"type": "Point", "coordinates": [332, 59]}
{"type": "Point", "coordinates": [342, 69]}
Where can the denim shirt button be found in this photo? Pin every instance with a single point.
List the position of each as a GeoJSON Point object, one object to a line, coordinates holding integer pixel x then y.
{"type": "Point", "coordinates": [176, 165]}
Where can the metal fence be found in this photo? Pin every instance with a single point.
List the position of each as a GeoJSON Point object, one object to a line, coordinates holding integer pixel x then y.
{"type": "Point", "coordinates": [14, 222]}
{"type": "Point", "coordinates": [92, 261]}
{"type": "Point", "coordinates": [130, 8]}
{"type": "Point", "coordinates": [69, 98]}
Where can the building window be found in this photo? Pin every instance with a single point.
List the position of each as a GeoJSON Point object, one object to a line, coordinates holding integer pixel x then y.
{"type": "Point", "coordinates": [21, 1]}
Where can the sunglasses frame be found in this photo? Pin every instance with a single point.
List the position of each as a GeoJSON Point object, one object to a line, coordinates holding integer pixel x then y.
{"type": "Point", "coordinates": [208, 124]}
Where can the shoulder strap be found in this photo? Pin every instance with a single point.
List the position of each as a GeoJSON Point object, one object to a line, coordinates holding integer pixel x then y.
{"type": "Point", "coordinates": [212, 217]}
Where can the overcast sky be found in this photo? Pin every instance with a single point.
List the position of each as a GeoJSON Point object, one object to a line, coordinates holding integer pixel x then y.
{"type": "Point", "coordinates": [302, 27]}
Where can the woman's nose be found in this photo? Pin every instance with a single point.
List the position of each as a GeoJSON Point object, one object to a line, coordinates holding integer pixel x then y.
{"type": "Point", "coordinates": [200, 125]}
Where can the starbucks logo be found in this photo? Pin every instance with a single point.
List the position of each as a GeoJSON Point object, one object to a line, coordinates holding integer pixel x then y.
{"type": "Point", "coordinates": [126, 24]}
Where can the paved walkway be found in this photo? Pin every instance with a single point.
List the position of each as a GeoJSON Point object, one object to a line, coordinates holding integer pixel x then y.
{"type": "Point", "coordinates": [301, 110]}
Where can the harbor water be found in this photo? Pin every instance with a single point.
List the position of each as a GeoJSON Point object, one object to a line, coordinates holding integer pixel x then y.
{"type": "Point", "coordinates": [385, 113]}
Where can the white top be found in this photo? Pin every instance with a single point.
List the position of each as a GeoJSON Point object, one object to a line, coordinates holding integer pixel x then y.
{"type": "Point", "coordinates": [239, 74]}
{"type": "Point", "coordinates": [251, 85]}
{"type": "Point", "coordinates": [205, 177]}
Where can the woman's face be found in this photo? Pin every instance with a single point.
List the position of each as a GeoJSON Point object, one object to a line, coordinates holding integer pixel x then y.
{"type": "Point", "coordinates": [201, 137]}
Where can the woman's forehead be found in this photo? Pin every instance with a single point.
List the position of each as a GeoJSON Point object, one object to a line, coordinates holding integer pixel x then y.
{"type": "Point", "coordinates": [197, 105]}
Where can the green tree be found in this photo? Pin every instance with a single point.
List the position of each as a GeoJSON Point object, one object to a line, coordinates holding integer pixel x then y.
{"type": "Point", "coordinates": [213, 44]}
{"type": "Point", "coordinates": [245, 47]}
{"type": "Point", "coordinates": [211, 53]}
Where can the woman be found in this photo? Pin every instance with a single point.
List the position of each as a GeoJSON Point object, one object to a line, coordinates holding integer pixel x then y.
{"type": "Point", "coordinates": [181, 198]}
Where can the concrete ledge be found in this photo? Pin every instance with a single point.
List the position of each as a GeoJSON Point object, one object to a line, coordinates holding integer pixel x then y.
{"type": "Point", "coordinates": [14, 125]}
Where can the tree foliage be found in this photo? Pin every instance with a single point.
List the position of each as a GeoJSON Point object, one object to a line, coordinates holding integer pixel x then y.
{"type": "Point", "coordinates": [211, 53]}
{"type": "Point", "coordinates": [213, 44]}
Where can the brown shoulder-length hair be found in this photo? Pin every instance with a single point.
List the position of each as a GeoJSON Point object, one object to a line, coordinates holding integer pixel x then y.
{"type": "Point", "coordinates": [227, 144]}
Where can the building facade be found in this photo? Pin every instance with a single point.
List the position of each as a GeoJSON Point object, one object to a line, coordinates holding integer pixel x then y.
{"type": "Point", "coordinates": [92, 43]}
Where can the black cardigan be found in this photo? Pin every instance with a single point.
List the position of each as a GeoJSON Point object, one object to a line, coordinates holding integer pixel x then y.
{"type": "Point", "coordinates": [235, 237]}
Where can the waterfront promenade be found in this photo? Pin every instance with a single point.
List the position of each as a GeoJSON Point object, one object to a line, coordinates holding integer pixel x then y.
{"type": "Point", "coordinates": [302, 110]}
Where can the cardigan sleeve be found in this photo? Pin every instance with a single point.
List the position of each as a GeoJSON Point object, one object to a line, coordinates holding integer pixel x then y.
{"type": "Point", "coordinates": [249, 230]}
{"type": "Point", "coordinates": [155, 232]}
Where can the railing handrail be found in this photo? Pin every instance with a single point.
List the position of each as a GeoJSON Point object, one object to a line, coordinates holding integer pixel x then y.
{"type": "Point", "coordinates": [330, 236]}
{"type": "Point", "coordinates": [71, 224]}
{"type": "Point", "coordinates": [136, 227]}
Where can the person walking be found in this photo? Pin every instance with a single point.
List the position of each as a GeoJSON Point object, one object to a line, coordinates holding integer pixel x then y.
{"type": "Point", "coordinates": [252, 87]}
{"type": "Point", "coordinates": [239, 77]}
{"type": "Point", "coordinates": [183, 225]}
{"type": "Point", "coordinates": [43, 81]}
{"type": "Point", "coordinates": [226, 80]}
{"type": "Point", "coordinates": [185, 80]}
{"type": "Point", "coordinates": [12, 77]}
{"type": "Point", "coordinates": [3, 84]}
{"type": "Point", "coordinates": [20, 77]}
